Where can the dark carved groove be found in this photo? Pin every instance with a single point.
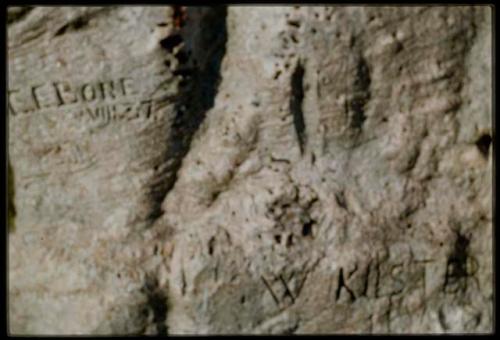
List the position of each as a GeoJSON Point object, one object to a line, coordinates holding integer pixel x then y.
{"type": "Point", "coordinates": [297, 97]}
{"type": "Point", "coordinates": [361, 95]}
{"type": "Point", "coordinates": [456, 271]}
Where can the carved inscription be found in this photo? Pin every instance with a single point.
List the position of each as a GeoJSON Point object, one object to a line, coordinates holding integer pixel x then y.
{"type": "Point", "coordinates": [378, 279]}
{"type": "Point", "coordinates": [401, 285]}
{"type": "Point", "coordinates": [62, 94]}
{"type": "Point", "coordinates": [284, 289]}
{"type": "Point", "coordinates": [118, 111]}
{"type": "Point", "coordinates": [101, 101]}
{"type": "Point", "coordinates": [402, 282]}
{"type": "Point", "coordinates": [93, 104]}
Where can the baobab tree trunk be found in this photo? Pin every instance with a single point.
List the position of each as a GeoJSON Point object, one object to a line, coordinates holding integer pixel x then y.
{"type": "Point", "coordinates": [214, 170]}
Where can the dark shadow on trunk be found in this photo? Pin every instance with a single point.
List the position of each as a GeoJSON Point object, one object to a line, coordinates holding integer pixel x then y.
{"type": "Point", "coordinates": [204, 35]}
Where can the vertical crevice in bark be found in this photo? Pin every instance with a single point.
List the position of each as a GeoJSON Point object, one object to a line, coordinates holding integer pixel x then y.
{"type": "Point", "coordinates": [297, 97]}
{"type": "Point", "coordinates": [156, 304]}
{"type": "Point", "coordinates": [199, 60]}
{"type": "Point", "coordinates": [11, 192]}
{"type": "Point", "coordinates": [361, 94]}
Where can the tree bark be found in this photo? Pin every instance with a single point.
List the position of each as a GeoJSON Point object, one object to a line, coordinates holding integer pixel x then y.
{"type": "Point", "coordinates": [226, 170]}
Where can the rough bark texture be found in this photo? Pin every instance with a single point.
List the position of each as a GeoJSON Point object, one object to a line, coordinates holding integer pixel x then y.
{"type": "Point", "coordinates": [250, 170]}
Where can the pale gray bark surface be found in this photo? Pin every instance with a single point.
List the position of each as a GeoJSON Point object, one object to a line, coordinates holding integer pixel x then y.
{"type": "Point", "coordinates": [250, 170]}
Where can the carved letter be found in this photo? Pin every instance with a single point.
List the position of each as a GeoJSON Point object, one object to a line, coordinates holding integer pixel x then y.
{"type": "Point", "coordinates": [148, 104]}
{"type": "Point", "coordinates": [107, 90]}
{"type": "Point", "coordinates": [127, 86]}
{"type": "Point", "coordinates": [64, 94]}
{"type": "Point", "coordinates": [396, 273]}
{"type": "Point", "coordinates": [11, 108]}
{"type": "Point", "coordinates": [88, 92]}
{"type": "Point", "coordinates": [34, 95]}
{"type": "Point", "coordinates": [342, 284]}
